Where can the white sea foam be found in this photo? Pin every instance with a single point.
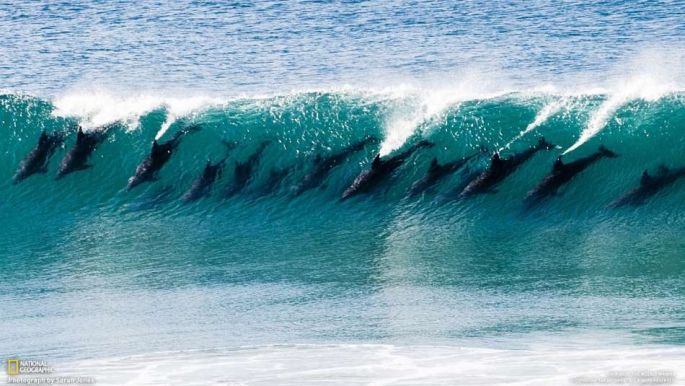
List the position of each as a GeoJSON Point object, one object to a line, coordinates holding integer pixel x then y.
{"type": "Point", "coordinates": [648, 76]}
{"type": "Point", "coordinates": [99, 108]}
{"type": "Point", "coordinates": [637, 88]}
{"type": "Point", "coordinates": [430, 101]}
{"type": "Point", "coordinates": [403, 122]}
{"type": "Point", "coordinates": [414, 104]}
{"type": "Point", "coordinates": [367, 364]}
{"type": "Point", "coordinates": [542, 116]}
{"type": "Point", "coordinates": [177, 108]}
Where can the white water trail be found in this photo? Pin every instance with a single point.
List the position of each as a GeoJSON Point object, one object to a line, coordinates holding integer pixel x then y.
{"type": "Point", "coordinates": [177, 108]}
{"type": "Point", "coordinates": [402, 124]}
{"type": "Point", "coordinates": [642, 87]}
{"type": "Point", "coordinates": [599, 119]}
{"type": "Point", "coordinates": [543, 115]}
{"type": "Point", "coordinates": [428, 103]}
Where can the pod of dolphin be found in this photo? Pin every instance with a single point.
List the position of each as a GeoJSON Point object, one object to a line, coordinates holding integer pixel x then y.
{"type": "Point", "coordinates": [477, 181]}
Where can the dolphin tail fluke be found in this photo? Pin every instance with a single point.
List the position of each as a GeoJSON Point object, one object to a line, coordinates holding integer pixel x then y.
{"type": "Point", "coordinates": [229, 145]}
{"type": "Point", "coordinates": [264, 144]}
{"type": "Point", "coordinates": [424, 143]}
{"type": "Point", "coordinates": [663, 170]}
{"type": "Point", "coordinates": [355, 147]}
{"type": "Point", "coordinates": [371, 139]}
{"type": "Point", "coordinates": [544, 144]}
{"type": "Point", "coordinates": [606, 152]}
{"type": "Point", "coordinates": [193, 128]}
{"type": "Point", "coordinates": [368, 140]}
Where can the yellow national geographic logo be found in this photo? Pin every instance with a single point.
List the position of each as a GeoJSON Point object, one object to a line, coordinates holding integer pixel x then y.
{"type": "Point", "coordinates": [37, 372]}
{"type": "Point", "coordinates": [13, 367]}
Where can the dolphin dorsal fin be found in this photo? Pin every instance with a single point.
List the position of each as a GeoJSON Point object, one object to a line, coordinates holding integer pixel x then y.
{"type": "Point", "coordinates": [558, 164]}
{"type": "Point", "coordinates": [154, 144]}
{"type": "Point", "coordinates": [79, 133]}
{"type": "Point", "coordinates": [646, 179]}
{"type": "Point", "coordinates": [495, 159]}
{"type": "Point", "coordinates": [43, 137]}
{"type": "Point", "coordinates": [434, 163]}
{"type": "Point", "coordinates": [208, 167]}
{"type": "Point", "coordinates": [376, 162]}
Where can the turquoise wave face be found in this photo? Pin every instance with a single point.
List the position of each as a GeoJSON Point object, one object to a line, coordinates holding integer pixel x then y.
{"type": "Point", "coordinates": [86, 234]}
{"type": "Point", "coordinates": [302, 127]}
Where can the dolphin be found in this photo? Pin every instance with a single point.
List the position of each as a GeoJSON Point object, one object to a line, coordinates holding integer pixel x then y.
{"type": "Point", "coordinates": [77, 157]}
{"type": "Point", "coordinates": [465, 177]}
{"type": "Point", "coordinates": [380, 170]}
{"type": "Point", "coordinates": [500, 169]}
{"type": "Point", "coordinates": [159, 155]}
{"type": "Point", "coordinates": [203, 183]}
{"type": "Point", "coordinates": [324, 164]}
{"type": "Point", "coordinates": [649, 186]}
{"type": "Point", "coordinates": [36, 161]}
{"type": "Point", "coordinates": [276, 177]}
{"type": "Point", "coordinates": [436, 172]}
{"type": "Point", "coordinates": [244, 170]}
{"type": "Point", "coordinates": [563, 173]}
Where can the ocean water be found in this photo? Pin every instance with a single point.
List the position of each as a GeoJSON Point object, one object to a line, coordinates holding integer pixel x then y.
{"type": "Point", "coordinates": [265, 286]}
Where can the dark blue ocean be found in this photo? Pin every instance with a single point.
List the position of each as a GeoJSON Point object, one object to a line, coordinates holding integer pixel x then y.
{"type": "Point", "coordinates": [270, 277]}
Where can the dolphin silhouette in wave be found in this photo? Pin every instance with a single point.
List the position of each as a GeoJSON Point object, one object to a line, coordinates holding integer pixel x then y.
{"type": "Point", "coordinates": [77, 157]}
{"type": "Point", "coordinates": [159, 155]}
{"type": "Point", "coordinates": [275, 179]}
{"type": "Point", "coordinates": [36, 161]}
{"type": "Point", "coordinates": [501, 168]}
{"type": "Point", "coordinates": [380, 170]}
{"type": "Point", "coordinates": [436, 172]}
{"type": "Point", "coordinates": [323, 165]}
{"type": "Point", "coordinates": [244, 171]}
{"type": "Point", "coordinates": [202, 185]}
{"type": "Point", "coordinates": [562, 173]}
{"type": "Point", "coordinates": [649, 186]}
